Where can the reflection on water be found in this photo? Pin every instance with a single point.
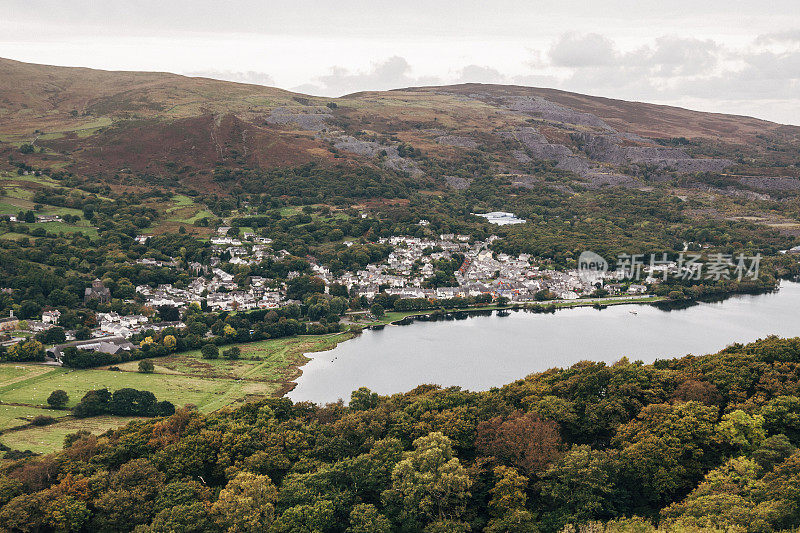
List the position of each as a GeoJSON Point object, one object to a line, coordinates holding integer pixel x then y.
{"type": "Point", "coordinates": [479, 352]}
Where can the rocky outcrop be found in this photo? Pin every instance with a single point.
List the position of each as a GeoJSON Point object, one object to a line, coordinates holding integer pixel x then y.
{"type": "Point", "coordinates": [457, 183]}
{"type": "Point", "coordinates": [392, 159]}
{"type": "Point", "coordinates": [312, 119]}
{"type": "Point", "coordinates": [772, 184]}
{"type": "Point", "coordinates": [615, 148]}
{"type": "Point", "coordinates": [552, 112]}
{"type": "Point", "coordinates": [538, 147]}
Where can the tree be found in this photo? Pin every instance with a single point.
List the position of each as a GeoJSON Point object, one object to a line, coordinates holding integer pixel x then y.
{"type": "Point", "coordinates": [429, 484]}
{"type": "Point", "coordinates": [146, 366]}
{"type": "Point", "coordinates": [507, 506]}
{"type": "Point", "coordinates": [132, 402]}
{"type": "Point", "coordinates": [782, 415]}
{"type": "Point", "coordinates": [209, 351]}
{"type": "Point", "coordinates": [170, 342]}
{"type": "Point", "coordinates": [363, 399]}
{"type": "Point", "coordinates": [523, 440]}
{"type": "Point", "coordinates": [55, 335]}
{"type": "Point", "coordinates": [667, 449]}
{"type": "Point", "coordinates": [164, 408]}
{"type": "Point", "coordinates": [169, 313]}
{"type": "Point", "coordinates": [741, 432]}
{"type": "Point", "coordinates": [302, 518]}
{"type": "Point", "coordinates": [365, 518]}
{"type": "Point", "coordinates": [57, 399]}
{"type": "Point", "coordinates": [246, 504]}
{"type": "Point", "coordinates": [30, 350]}
{"type": "Point", "coordinates": [376, 310]}
{"type": "Point", "coordinates": [93, 403]}
{"type": "Point", "coordinates": [578, 487]}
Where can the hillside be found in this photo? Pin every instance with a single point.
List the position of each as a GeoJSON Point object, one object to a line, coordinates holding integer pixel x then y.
{"type": "Point", "coordinates": [100, 123]}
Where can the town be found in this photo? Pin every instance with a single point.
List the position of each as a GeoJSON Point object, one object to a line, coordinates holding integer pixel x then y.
{"type": "Point", "coordinates": [406, 273]}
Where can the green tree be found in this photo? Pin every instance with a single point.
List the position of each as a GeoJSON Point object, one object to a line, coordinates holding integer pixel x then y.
{"type": "Point", "coordinates": [30, 350]}
{"type": "Point", "coordinates": [376, 310]}
{"type": "Point", "coordinates": [306, 518]}
{"type": "Point", "coordinates": [740, 432]}
{"type": "Point", "coordinates": [363, 399]}
{"type": "Point", "coordinates": [429, 483]}
{"type": "Point", "coordinates": [210, 351]}
{"type": "Point", "coordinates": [246, 504]}
{"type": "Point", "coordinates": [365, 518]}
{"type": "Point", "coordinates": [57, 399]}
{"type": "Point", "coordinates": [507, 506]}
{"type": "Point", "coordinates": [146, 366]}
{"type": "Point", "coordinates": [578, 487]}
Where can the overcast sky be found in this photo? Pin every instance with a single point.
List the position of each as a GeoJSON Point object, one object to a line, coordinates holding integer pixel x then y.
{"type": "Point", "coordinates": [727, 56]}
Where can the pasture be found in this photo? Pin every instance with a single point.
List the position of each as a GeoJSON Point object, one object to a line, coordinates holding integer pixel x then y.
{"type": "Point", "coordinates": [264, 368]}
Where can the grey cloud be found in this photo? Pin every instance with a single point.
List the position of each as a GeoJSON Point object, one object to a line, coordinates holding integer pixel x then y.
{"type": "Point", "coordinates": [676, 56]}
{"type": "Point", "coordinates": [589, 50]}
{"type": "Point", "coordinates": [391, 73]}
{"type": "Point", "coordinates": [674, 67]}
{"type": "Point", "coordinates": [256, 78]}
{"type": "Point", "coordinates": [479, 74]}
{"type": "Point", "coordinates": [778, 37]}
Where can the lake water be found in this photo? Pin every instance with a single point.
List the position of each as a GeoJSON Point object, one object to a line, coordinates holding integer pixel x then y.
{"type": "Point", "coordinates": [481, 352]}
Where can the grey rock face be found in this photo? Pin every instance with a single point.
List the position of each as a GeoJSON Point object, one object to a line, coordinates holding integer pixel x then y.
{"type": "Point", "coordinates": [372, 149]}
{"type": "Point", "coordinates": [538, 147]}
{"type": "Point", "coordinates": [772, 184]}
{"type": "Point", "coordinates": [552, 112]}
{"type": "Point", "coordinates": [457, 183]}
{"type": "Point", "coordinates": [312, 119]}
{"type": "Point", "coordinates": [609, 148]}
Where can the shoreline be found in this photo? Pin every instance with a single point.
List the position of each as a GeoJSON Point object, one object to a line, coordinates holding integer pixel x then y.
{"type": "Point", "coordinates": [402, 318]}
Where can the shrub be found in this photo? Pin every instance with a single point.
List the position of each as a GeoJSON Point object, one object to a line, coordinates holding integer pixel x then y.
{"type": "Point", "coordinates": [57, 399]}
{"type": "Point", "coordinates": [232, 353]}
{"type": "Point", "coordinates": [146, 366]}
{"type": "Point", "coordinates": [43, 420]}
{"type": "Point", "coordinates": [209, 351]}
{"type": "Point", "coordinates": [164, 408]}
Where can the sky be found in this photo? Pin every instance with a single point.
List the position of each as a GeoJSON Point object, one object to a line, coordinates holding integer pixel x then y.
{"type": "Point", "coordinates": [740, 57]}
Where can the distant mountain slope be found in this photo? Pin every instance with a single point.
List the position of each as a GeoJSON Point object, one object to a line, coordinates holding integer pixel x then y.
{"type": "Point", "coordinates": [647, 120]}
{"type": "Point", "coordinates": [96, 122]}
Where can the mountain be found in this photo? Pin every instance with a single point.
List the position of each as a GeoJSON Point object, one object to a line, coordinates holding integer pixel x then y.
{"type": "Point", "coordinates": [102, 123]}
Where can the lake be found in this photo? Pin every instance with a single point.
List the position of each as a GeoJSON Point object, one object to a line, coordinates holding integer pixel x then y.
{"type": "Point", "coordinates": [481, 352]}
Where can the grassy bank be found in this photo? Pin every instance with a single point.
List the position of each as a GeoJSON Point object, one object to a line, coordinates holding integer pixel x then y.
{"type": "Point", "coordinates": [265, 368]}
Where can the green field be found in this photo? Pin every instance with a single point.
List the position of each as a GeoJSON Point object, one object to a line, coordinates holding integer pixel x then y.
{"type": "Point", "coordinates": [19, 191]}
{"type": "Point", "coordinates": [264, 369]}
{"type": "Point", "coordinates": [47, 439]}
{"type": "Point", "coordinates": [19, 415]}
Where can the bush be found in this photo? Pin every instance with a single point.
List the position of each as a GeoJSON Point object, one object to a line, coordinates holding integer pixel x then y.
{"type": "Point", "coordinates": [146, 366]}
{"type": "Point", "coordinates": [93, 403]}
{"type": "Point", "coordinates": [232, 353]}
{"type": "Point", "coordinates": [132, 402]}
{"type": "Point", "coordinates": [164, 408]}
{"type": "Point", "coordinates": [43, 420]}
{"type": "Point", "coordinates": [57, 399]}
{"type": "Point", "coordinates": [209, 351]}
